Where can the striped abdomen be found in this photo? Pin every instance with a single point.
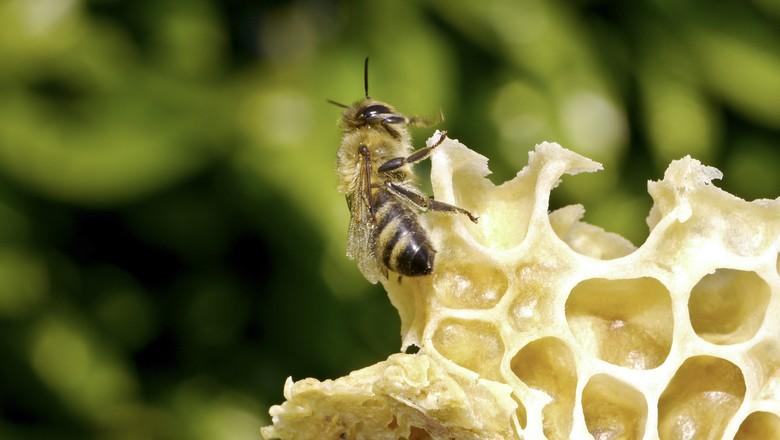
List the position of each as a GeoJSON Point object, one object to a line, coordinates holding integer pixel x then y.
{"type": "Point", "coordinates": [401, 243]}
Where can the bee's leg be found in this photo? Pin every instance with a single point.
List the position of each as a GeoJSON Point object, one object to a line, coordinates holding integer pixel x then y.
{"type": "Point", "coordinates": [425, 203]}
{"type": "Point", "coordinates": [417, 156]}
{"type": "Point", "coordinates": [435, 205]}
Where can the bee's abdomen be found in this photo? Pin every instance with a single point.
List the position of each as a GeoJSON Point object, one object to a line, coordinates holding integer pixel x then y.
{"type": "Point", "coordinates": [401, 242]}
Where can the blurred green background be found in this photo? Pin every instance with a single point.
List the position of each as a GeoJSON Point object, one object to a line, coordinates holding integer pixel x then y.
{"type": "Point", "coordinates": [172, 242]}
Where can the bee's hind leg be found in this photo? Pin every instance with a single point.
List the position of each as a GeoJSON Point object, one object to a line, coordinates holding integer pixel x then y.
{"type": "Point", "coordinates": [435, 205]}
{"type": "Point", "coordinates": [424, 203]}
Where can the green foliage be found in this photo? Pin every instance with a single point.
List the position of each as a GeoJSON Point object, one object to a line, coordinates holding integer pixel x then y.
{"type": "Point", "coordinates": [171, 240]}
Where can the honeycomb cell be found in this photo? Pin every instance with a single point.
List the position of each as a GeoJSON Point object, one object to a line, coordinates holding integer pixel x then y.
{"type": "Point", "coordinates": [530, 309]}
{"type": "Point", "coordinates": [525, 311]}
{"type": "Point", "coordinates": [701, 399]}
{"type": "Point", "coordinates": [548, 365]}
{"type": "Point", "coordinates": [472, 344]}
{"type": "Point", "coordinates": [728, 306]}
{"type": "Point", "coordinates": [613, 409]}
{"type": "Point", "coordinates": [625, 322]}
{"type": "Point", "coordinates": [476, 285]}
{"type": "Point", "coordinates": [759, 426]}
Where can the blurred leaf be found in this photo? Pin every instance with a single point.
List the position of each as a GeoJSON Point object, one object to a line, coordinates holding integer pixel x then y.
{"type": "Point", "coordinates": [23, 282]}
{"type": "Point", "coordinates": [68, 360]}
{"type": "Point", "coordinates": [680, 119]}
{"type": "Point", "coordinates": [744, 74]}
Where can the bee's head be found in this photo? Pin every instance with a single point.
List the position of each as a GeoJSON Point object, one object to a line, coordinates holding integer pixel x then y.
{"type": "Point", "coordinates": [368, 112]}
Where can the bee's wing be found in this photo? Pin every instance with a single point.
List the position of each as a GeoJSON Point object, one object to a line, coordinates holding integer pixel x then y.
{"type": "Point", "coordinates": [361, 240]}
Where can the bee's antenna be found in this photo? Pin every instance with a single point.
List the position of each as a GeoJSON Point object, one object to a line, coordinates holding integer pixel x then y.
{"type": "Point", "coordinates": [365, 76]}
{"type": "Point", "coordinates": [337, 104]}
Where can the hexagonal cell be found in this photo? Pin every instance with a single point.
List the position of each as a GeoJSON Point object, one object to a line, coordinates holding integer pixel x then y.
{"type": "Point", "coordinates": [472, 285]}
{"type": "Point", "coordinates": [548, 365]}
{"type": "Point", "coordinates": [613, 409]}
{"type": "Point", "coordinates": [472, 344]}
{"type": "Point", "coordinates": [701, 399]}
{"type": "Point", "coordinates": [531, 308]}
{"type": "Point", "coordinates": [728, 306]}
{"type": "Point", "coordinates": [759, 426]}
{"type": "Point", "coordinates": [525, 312]}
{"type": "Point", "coordinates": [625, 322]}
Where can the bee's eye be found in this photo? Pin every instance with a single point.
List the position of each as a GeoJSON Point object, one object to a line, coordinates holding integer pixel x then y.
{"type": "Point", "coordinates": [373, 110]}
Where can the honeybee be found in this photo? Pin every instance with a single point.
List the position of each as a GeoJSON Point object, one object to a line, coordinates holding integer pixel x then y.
{"type": "Point", "coordinates": [374, 167]}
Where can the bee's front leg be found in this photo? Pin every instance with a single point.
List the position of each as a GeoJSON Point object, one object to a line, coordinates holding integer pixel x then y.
{"type": "Point", "coordinates": [418, 156]}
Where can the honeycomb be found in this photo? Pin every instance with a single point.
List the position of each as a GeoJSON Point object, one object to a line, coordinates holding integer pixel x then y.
{"type": "Point", "coordinates": [537, 325]}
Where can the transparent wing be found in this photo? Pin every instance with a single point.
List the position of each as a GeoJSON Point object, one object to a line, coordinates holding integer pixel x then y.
{"type": "Point", "coordinates": [361, 239]}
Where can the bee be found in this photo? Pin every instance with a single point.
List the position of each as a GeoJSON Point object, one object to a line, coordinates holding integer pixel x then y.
{"type": "Point", "coordinates": [374, 167]}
